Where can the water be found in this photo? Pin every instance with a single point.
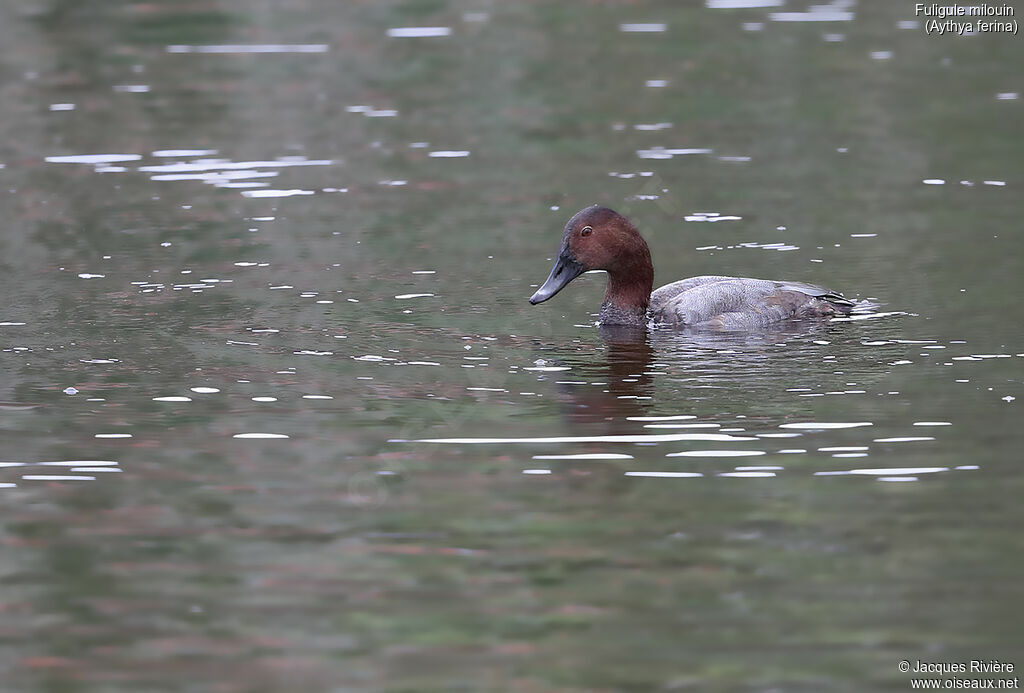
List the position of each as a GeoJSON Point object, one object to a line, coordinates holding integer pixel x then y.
{"type": "Point", "coordinates": [276, 414]}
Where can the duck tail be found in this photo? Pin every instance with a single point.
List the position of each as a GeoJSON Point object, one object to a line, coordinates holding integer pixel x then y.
{"type": "Point", "coordinates": [840, 302]}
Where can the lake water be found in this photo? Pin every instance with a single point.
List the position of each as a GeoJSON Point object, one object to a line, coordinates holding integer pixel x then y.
{"type": "Point", "coordinates": [277, 416]}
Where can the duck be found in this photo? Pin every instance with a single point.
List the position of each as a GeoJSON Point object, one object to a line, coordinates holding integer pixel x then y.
{"type": "Point", "coordinates": [599, 238]}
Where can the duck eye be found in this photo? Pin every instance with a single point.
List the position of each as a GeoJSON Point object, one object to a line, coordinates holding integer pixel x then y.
{"type": "Point", "coordinates": [586, 231]}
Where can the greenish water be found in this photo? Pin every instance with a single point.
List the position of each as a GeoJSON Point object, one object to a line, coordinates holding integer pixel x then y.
{"type": "Point", "coordinates": [271, 320]}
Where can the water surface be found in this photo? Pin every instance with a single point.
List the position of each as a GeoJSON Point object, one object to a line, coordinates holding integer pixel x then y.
{"type": "Point", "coordinates": [276, 414]}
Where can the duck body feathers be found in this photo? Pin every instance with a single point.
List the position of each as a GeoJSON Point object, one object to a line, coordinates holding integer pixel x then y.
{"type": "Point", "coordinates": [742, 303]}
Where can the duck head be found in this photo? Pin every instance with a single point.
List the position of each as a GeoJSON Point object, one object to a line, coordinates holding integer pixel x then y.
{"type": "Point", "coordinates": [598, 238]}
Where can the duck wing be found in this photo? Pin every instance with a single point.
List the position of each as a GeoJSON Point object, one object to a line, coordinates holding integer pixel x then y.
{"type": "Point", "coordinates": [833, 297]}
{"type": "Point", "coordinates": [740, 302]}
{"type": "Point", "coordinates": [662, 295]}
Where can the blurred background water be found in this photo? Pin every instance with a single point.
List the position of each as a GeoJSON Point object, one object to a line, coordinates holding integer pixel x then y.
{"type": "Point", "coordinates": [277, 416]}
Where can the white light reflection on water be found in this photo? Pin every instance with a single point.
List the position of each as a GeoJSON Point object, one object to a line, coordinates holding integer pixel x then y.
{"type": "Point", "coordinates": [92, 158]}
{"type": "Point", "coordinates": [221, 173]}
{"type": "Point", "coordinates": [717, 453]}
{"type": "Point", "coordinates": [677, 417]}
{"type": "Point", "coordinates": [682, 425]}
{"type": "Point", "coordinates": [749, 471]}
{"type": "Point", "coordinates": [894, 471]}
{"type": "Point", "coordinates": [868, 316]}
{"type": "Point", "coordinates": [215, 177]}
{"type": "Point", "coordinates": [371, 112]}
{"type": "Point", "coordinates": [61, 463]}
{"type": "Point", "coordinates": [176, 153]}
{"type": "Point", "coordinates": [277, 193]}
{"type": "Point", "coordinates": [742, 4]}
{"type": "Point", "coordinates": [815, 425]}
{"type": "Point", "coordinates": [835, 11]}
{"type": "Point", "coordinates": [251, 48]}
{"type": "Point", "coordinates": [649, 28]}
{"type": "Point", "coordinates": [663, 153]}
{"type": "Point", "coordinates": [419, 31]}
{"type": "Point", "coordinates": [586, 456]}
{"type": "Point", "coordinates": [57, 477]}
{"type": "Point", "coordinates": [640, 438]}
{"type": "Point", "coordinates": [880, 474]}
{"type": "Point", "coordinates": [713, 217]}
{"type": "Point", "coordinates": [225, 164]}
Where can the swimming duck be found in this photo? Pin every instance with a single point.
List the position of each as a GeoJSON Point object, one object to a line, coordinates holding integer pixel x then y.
{"type": "Point", "coordinates": [598, 238]}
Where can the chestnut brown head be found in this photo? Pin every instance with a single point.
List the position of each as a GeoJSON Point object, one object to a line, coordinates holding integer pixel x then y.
{"type": "Point", "coordinates": [596, 238]}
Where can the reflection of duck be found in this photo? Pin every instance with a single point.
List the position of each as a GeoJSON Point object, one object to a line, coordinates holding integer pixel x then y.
{"type": "Point", "coordinates": [598, 238]}
{"type": "Point", "coordinates": [644, 369]}
{"type": "Point", "coordinates": [616, 388]}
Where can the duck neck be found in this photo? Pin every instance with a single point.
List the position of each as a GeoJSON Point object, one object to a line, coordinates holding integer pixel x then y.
{"type": "Point", "coordinates": [628, 292]}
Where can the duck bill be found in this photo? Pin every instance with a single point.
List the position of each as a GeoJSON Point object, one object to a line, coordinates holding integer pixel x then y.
{"type": "Point", "coordinates": [565, 270]}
